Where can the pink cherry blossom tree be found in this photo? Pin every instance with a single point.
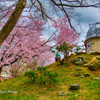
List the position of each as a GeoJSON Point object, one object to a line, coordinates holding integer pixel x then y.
{"type": "Point", "coordinates": [25, 42]}
{"type": "Point", "coordinates": [64, 33]}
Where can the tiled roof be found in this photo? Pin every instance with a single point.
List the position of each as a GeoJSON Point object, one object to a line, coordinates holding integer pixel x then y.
{"type": "Point", "coordinates": [94, 31]}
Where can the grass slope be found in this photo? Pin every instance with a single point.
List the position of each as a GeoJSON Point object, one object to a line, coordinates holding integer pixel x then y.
{"type": "Point", "coordinates": [89, 88]}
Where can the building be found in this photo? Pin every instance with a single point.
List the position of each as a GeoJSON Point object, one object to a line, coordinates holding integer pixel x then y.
{"type": "Point", "coordinates": [92, 42]}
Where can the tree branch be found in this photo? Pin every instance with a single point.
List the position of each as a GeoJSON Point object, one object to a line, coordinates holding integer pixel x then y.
{"type": "Point", "coordinates": [75, 6]}
{"type": "Point", "coordinates": [5, 31]}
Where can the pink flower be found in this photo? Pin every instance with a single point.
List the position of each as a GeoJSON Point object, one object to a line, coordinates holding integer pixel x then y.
{"type": "Point", "coordinates": [11, 76]}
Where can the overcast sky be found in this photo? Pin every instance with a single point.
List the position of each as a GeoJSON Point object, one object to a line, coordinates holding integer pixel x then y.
{"type": "Point", "coordinates": [87, 16]}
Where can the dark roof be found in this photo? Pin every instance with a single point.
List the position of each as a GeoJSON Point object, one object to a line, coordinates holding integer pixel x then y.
{"type": "Point", "coordinates": [94, 31]}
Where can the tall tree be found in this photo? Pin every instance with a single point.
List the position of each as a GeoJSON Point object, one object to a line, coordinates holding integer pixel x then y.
{"type": "Point", "coordinates": [7, 28]}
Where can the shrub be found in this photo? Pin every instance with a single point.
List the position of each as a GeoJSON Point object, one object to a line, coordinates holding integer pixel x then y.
{"type": "Point", "coordinates": [41, 69]}
{"type": "Point", "coordinates": [32, 76]}
{"type": "Point", "coordinates": [45, 77]}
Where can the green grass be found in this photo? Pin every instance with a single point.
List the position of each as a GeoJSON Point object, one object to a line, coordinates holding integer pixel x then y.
{"type": "Point", "coordinates": [89, 88]}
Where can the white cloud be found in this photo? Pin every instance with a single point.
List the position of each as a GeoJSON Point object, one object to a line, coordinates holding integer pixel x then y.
{"type": "Point", "coordinates": [89, 15]}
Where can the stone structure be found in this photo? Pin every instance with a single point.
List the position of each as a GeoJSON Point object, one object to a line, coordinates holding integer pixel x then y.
{"type": "Point", "coordinates": [92, 42]}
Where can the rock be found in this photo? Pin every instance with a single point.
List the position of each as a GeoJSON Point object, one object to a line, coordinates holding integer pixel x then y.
{"type": "Point", "coordinates": [74, 87]}
{"type": "Point", "coordinates": [80, 57]}
{"type": "Point", "coordinates": [79, 61]}
{"type": "Point", "coordinates": [82, 76]}
{"type": "Point", "coordinates": [73, 60]}
{"type": "Point", "coordinates": [94, 53]}
{"type": "Point", "coordinates": [96, 78]}
{"type": "Point", "coordinates": [77, 74]}
{"type": "Point", "coordinates": [86, 74]}
{"type": "Point", "coordinates": [98, 57]}
{"type": "Point", "coordinates": [93, 66]}
{"type": "Point", "coordinates": [61, 93]}
{"type": "Point", "coordinates": [86, 65]}
{"type": "Point", "coordinates": [78, 69]}
{"type": "Point", "coordinates": [85, 60]}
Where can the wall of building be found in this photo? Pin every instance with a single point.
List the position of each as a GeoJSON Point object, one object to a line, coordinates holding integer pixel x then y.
{"type": "Point", "coordinates": [88, 45]}
{"type": "Point", "coordinates": [95, 44]}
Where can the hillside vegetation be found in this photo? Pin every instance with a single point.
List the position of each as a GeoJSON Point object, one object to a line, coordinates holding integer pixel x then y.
{"type": "Point", "coordinates": [20, 89]}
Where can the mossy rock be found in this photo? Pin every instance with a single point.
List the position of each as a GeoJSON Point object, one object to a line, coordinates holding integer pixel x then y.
{"type": "Point", "coordinates": [61, 93]}
{"type": "Point", "coordinates": [98, 57]}
{"type": "Point", "coordinates": [86, 74]}
{"type": "Point", "coordinates": [79, 60]}
{"type": "Point", "coordinates": [79, 63]}
{"type": "Point", "coordinates": [74, 87]}
{"type": "Point", "coordinates": [93, 66]}
{"type": "Point", "coordinates": [96, 78]}
{"type": "Point", "coordinates": [77, 74]}
{"type": "Point", "coordinates": [73, 60]}
{"type": "Point", "coordinates": [95, 53]}
{"type": "Point", "coordinates": [78, 69]}
{"type": "Point", "coordinates": [86, 65]}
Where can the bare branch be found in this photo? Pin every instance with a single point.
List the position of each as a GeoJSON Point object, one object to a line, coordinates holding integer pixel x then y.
{"type": "Point", "coordinates": [75, 6]}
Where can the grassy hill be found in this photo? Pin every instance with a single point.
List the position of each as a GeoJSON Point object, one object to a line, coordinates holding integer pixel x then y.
{"type": "Point", "coordinates": [19, 89]}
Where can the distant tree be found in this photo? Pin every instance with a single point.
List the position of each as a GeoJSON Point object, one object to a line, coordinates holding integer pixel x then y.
{"type": "Point", "coordinates": [77, 49]}
{"type": "Point", "coordinates": [64, 48]}
{"type": "Point", "coordinates": [64, 33]}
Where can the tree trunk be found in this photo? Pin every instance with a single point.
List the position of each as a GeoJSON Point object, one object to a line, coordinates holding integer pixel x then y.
{"type": "Point", "coordinates": [0, 70]}
{"type": "Point", "coordinates": [8, 27]}
{"type": "Point", "coordinates": [65, 55]}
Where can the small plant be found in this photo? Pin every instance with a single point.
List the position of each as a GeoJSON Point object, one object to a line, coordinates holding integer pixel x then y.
{"type": "Point", "coordinates": [77, 49]}
{"type": "Point", "coordinates": [51, 77]}
{"type": "Point", "coordinates": [32, 76]}
{"type": "Point", "coordinates": [41, 69]}
{"type": "Point", "coordinates": [65, 49]}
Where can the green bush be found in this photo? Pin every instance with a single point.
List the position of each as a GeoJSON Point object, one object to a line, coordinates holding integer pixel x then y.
{"type": "Point", "coordinates": [32, 76]}
{"type": "Point", "coordinates": [41, 69]}
{"type": "Point", "coordinates": [45, 77]}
